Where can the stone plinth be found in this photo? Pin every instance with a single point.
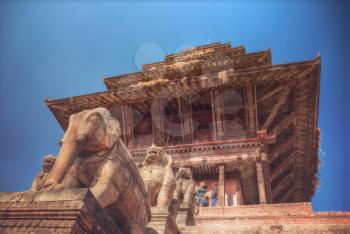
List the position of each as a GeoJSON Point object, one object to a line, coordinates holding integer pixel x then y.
{"type": "Point", "coordinates": [184, 216]}
{"type": "Point", "coordinates": [60, 211]}
{"type": "Point", "coordinates": [269, 218]}
{"type": "Point", "coordinates": [162, 222]}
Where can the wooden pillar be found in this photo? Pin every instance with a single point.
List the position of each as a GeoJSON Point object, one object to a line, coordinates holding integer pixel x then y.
{"type": "Point", "coordinates": [217, 113]}
{"type": "Point", "coordinates": [214, 133]}
{"type": "Point", "coordinates": [261, 182]}
{"type": "Point", "coordinates": [128, 127]}
{"type": "Point", "coordinates": [239, 193]}
{"type": "Point", "coordinates": [221, 186]}
{"type": "Point", "coordinates": [267, 177]}
{"type": "Point", "coordinates": [158, 113]}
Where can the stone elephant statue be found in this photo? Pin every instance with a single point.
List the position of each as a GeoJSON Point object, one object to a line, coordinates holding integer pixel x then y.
{"type": "Point", "coordinates": [92, 155]}
{"type": "Point", "coordinates": [185, 187]}
{"type": "Point", "coordinates": [158, 176]}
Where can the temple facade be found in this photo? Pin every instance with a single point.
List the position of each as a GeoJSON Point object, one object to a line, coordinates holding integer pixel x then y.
{"type": "Point", "coordinates": [232, 121]}
{"type": "Point", "coordinates": [232, 117]}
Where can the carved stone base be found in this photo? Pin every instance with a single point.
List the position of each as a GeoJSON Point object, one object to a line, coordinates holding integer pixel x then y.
{"type": "Point", "coordinates": [60, 211]}
{"type": "Point", "coordinates": [184, 216]}
{"type": "Point", "coordinates": [162, 222]}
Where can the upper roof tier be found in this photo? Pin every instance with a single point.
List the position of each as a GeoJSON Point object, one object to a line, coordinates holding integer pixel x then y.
{"type": "Point", "coordinates": [200, 60]}
{"type": "Point", "coordinates": [136, 87]}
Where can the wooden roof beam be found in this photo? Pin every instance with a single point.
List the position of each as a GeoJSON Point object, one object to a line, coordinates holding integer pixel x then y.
{"type": "Point", "coordinates": [281, 185]}
{"type": "Point", "coordinates": [285, 123]}
{"type": "Point", "coordinates": [283, 165]}
{"type": "Point", "coordinates": [306, 72]}
{"type": "Point", "coordinates": [285, 198]}
{"type": "Point", "coordinates": [281, 100]}
{"type": "Point", "coordinates": [281, 149]}
{"type": "Point", "coordinates": [271, 93]}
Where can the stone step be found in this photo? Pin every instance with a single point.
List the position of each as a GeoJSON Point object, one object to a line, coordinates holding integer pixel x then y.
{"type": "Point", "coordinates": [266, 229]}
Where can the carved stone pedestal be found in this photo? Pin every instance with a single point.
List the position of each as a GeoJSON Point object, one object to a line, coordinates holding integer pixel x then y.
{"type": "Point", "coordinates": [162, 222]}
{"type": "Point", "coordinates": [184, 216]}
{"type": "Point", "coordinates": [60, 211]}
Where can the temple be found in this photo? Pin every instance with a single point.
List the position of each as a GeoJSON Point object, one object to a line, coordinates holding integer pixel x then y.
{"type": "Point", "coordinates": [230, 116]}
{"type": "Point", "coordinates": [213, 116]}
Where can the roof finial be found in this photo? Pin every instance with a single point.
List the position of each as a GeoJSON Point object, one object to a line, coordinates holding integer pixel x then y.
{"type": "Point", "coordinates": [208, 40]}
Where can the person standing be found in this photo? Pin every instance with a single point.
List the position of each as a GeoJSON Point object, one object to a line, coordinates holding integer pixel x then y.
{"type": "Point", "coordinates": [206, 202]}
{"type": "Point", "coordinates": [214, 195]}
{"type": "Point", "coordinates": [200, 192]}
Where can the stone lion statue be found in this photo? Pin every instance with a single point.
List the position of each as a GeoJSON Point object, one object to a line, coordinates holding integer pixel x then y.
{"type": "Point", "coordinates": [157, 174]}
{"type": "Point", "coordinates": [185, 187]}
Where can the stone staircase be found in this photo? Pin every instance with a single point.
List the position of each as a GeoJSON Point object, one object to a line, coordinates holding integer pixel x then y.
{"type": "Point", "coordinates": [268, 218]}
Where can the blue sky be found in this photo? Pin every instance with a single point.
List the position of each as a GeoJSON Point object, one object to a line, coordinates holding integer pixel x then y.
{"type": "Point", "coordinates": [60, 49]}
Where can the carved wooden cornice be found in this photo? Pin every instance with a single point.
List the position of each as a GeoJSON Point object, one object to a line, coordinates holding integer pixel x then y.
{"type": "Point", "coordinates": [237, 150]}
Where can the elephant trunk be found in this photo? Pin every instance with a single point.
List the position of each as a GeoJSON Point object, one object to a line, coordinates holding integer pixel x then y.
{"type": "Point", "coordinates": [65, 158]}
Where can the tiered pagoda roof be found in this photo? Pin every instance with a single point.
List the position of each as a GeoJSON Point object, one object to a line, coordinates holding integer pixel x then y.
{"type": "Point", "coordinates": [283, 113]}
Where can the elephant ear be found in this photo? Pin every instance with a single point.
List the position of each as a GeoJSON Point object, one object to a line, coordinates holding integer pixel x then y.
{"type": "Point", "coordinates": [112, 132]}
